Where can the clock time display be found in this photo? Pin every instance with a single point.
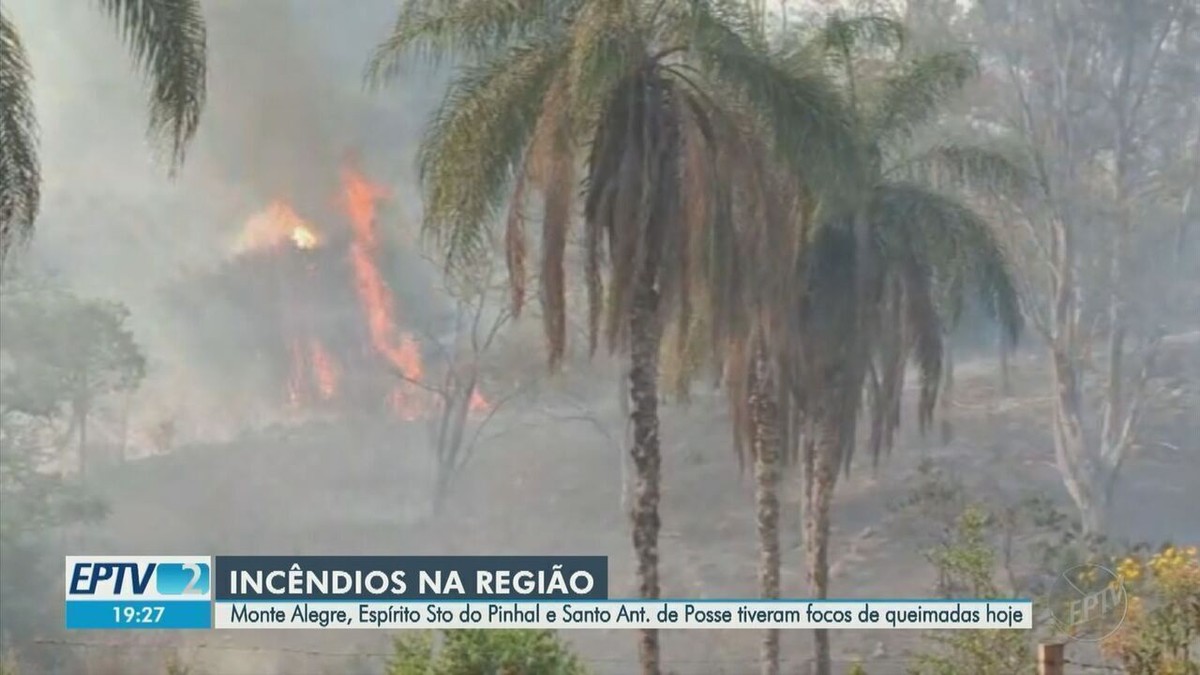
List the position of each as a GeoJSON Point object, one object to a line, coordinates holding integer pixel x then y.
{"type": "Point", "coordinates": [145, 614]}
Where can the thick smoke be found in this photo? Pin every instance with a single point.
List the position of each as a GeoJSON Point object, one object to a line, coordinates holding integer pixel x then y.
{"type": "Point", "coordinates": [286, 109]}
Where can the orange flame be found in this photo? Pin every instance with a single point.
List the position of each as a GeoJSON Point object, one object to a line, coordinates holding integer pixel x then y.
{"type": "Point", "coordinates": [399, 348]}
{"type": "Point", "coordinates": [479, 404]}
{"type": "Point", "coordinates": [324, 371]}
{"type": "Point", "coordinates": [276, 224]}
{"type": "Point", "coordinates": [313, 370]}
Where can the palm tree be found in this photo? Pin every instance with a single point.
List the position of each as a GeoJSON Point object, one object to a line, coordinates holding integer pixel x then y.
{"type": "Point", "coordinates": [881, 280]}
{"type": "Point", "coordinates": [754, 298]}
{"type": "Point", "coordinates": [168, 42]}
{"type": "Point", "coordinates": [648, 98]}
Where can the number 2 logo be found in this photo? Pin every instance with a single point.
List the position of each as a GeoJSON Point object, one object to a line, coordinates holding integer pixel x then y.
{"type": "Point", "coordinates": [197, 572]}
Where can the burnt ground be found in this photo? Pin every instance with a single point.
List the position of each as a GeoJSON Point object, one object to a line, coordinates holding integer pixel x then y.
{"type": "Point", "coordinates": [550, 485]}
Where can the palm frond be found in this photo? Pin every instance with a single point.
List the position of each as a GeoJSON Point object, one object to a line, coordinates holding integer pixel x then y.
{"type": "Point", "coordinates": [844, 36]}
{"type": "Point", "coordinates": [606, 44]}
{"type": "Point", "coordinates": [912, 97]}
{"type": "Point", "coordinates": [552, 161]}
{"type": "Point", "coordinates": [475, 141]}
{"type": "Point", "coordinates": [809, 126]}
{"type": "Point", "coordinates": [433, 29]}
{"type": "Point", "coordinates": [20, 174]}
{"type": "Point", "coordinates": [516, 243]}
{"type": "Point", "coordinates": [886, 371]}
{"type": "Point", "coordinates": [707, 257]}
{"type": "Point", "coordinates": [923, 323]}
{"type": "Point", "coordinates": [684, 353]}
{"type": "Point", "coordinates": [168, 40]}
{"type": "Point", "coordinates": [954, 241]}
{"type": "Point", "coordinates": [971, 167]}
{"type": "Point", "coordinates": [635, 196]}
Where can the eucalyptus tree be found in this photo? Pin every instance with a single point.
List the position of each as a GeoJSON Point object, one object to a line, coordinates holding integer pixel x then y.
{"type": "Point", "coordinates": [1103, 97]}
{"type": "Point", "coordinates": [882, 278]}
{"type": "Point", "coordinates": [641, 102]}
{"type": "Point", "coordinates": [167, 39]}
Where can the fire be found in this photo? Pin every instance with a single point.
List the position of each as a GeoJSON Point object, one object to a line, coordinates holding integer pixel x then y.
{"type": "Point", "coordinates": [275, 225]}
{"type": "Point", "coordinates": [399, 348]}
{"type": "Point", "coordinates": [478, 403]}
{"type": "Point", "coordinates": [303, 237]}
{"type": "Point", "coordinates": [324, 370]}
{"type": "Point", "coordinates": [315, 373]}
{"type": "Point", "coordinates": [313, 365]}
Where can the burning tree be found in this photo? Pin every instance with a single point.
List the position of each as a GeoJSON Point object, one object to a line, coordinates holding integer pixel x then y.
{"type": "Point", "coordinates": [309, 310]}
{"type": "Point", "coordinates": [312, 308]}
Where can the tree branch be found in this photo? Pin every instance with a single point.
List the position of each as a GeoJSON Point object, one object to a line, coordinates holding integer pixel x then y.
{"type": "Point", "coordinates": [1134, 415]}
{"type": "Point", "coordinates": [469, 450]}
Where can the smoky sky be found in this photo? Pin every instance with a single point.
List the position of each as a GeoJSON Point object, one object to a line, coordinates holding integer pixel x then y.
{"type": "Point", "coordinates": [286, 105]}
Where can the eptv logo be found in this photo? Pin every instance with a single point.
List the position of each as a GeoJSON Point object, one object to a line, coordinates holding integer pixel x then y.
{"type": "Point", "coordinates": [140, 577]}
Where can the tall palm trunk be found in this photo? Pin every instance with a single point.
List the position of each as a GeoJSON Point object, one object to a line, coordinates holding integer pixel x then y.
{"type": "Point", "coordinates": [766, 439]}
{"type": "Point", "coordinates": [644, 339]}
{"type": "Point", "coordinates": [818, 499]}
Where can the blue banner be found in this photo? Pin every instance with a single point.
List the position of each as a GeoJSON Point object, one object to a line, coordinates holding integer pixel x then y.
{"type": "Point", "coordinates": [141, 614]}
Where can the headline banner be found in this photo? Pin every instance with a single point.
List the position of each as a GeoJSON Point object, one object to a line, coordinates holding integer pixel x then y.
{"type": "Point", "coordinates": [379, 578]}
{"type": "Point", "coordinates": [451, 592]}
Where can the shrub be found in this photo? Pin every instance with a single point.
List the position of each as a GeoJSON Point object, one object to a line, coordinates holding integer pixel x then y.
{"type": "Point", "coordinates": [1161, 631]}
{"type": "Point", "coordinates": [967, 560]}
{"type": "Point", "coordinates": [484, 652]}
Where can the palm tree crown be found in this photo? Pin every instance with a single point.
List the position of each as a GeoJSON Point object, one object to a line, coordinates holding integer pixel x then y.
{"type": "Point", "coordinates": [648, 97]}
{"type": "Point", "coordinates": [927, 246]}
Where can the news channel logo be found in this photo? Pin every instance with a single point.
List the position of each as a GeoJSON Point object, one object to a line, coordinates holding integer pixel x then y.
{"type": "Point", "coordinates": [139, 577]}
{"type": "Point", "coordinates": [1088, 602]}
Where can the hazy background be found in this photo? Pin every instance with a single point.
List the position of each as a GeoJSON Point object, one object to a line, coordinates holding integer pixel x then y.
{"type": "Point", "coordinates": [286, 106]}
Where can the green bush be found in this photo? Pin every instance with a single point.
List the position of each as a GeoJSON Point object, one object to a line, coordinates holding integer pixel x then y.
{"type": "Point", "coordinates": [967, 560]}
{"type": "Point", "coordinates": [484, 652]}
